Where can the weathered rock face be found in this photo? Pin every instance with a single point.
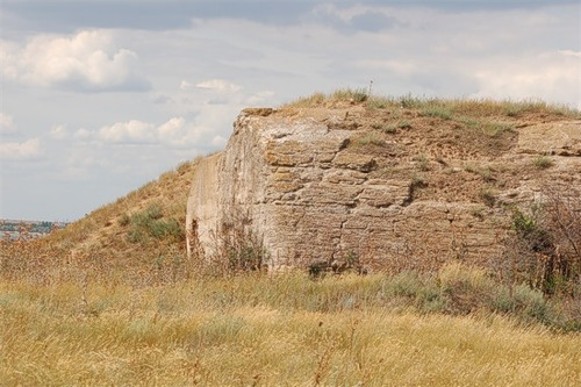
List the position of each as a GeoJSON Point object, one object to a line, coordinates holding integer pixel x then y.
{"type": "Point", "coordinates": [393, 188]}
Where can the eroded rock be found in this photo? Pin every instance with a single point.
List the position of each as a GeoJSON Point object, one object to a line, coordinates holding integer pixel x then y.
{"type": "Point", "coordinates": [298, 182]}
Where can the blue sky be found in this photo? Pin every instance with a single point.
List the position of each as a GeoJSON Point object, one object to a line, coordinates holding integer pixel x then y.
{"type": "Point", "coordinates": [99, 97]}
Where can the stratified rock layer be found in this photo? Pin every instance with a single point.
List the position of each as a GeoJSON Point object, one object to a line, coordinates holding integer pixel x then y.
{"type": "Point", "coordinates": [393, 188]}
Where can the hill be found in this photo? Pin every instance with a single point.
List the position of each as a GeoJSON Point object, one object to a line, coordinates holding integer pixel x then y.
{"type": "Point", "coordinates": [130, 238]}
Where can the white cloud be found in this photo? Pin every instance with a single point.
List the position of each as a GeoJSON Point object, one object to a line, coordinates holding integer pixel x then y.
{"type": "Point", "coordinates": [171, 127]}
{"type": "Point", "coordinates": [133, 131]}
{"type": "Point", "coordinates": [261, 97]}
{"type": "Point", "coordinates": [403, 67]}
{"type": "Point", "coordinates": [552, 76]}
{"type": "Point", "coordinates": [86, 61]}
{"type": "Point", "coordinates": [26, 150]}
{"type": "Point", "coordinates": [174, 133]}
{"type": "Point", "coordinates": [219, 85]}
{"type": "Point", "coordinates": [185, 85]}
{"type": "Point", "coordinates": [6, 123]}
{"type": "Point", "coordinates": [576, 54]}
{"type": "Point", "coordinates": [219, 141]}
{"type": "Point", "coordinates": [59, 132]}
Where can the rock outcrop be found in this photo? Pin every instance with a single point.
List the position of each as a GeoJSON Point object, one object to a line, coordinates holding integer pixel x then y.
{"type": "Point", "coordinates": [391, 187]}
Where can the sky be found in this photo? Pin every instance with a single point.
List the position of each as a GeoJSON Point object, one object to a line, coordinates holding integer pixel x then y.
{"type": "Point", "coordinates": [99, 97]}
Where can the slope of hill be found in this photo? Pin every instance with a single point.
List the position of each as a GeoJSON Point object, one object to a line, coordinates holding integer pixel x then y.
{"type": "Point", "coordinates": [137, 234]}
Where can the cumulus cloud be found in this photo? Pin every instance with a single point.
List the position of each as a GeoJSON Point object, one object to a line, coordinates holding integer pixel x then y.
{"type": "Point", "coordinates": [172, 127]}
{"type": "Point", "coordinates": [174, 133]}
{"type": "Point", "coordinates": [6, 123]}
{"type": "Point", "coordinates": [219, 85]}
{"type": "Point", "coordinates": [261, 97]}
{"type": "Point", "coordinates": [58, 131]}
{"type": "Point", "coordinates": [551, 76]}
{"type": "Point", "coordinates": [400, 67]}
{"type": "Point", "coordinates": [353, 18]}
{"type": "Point", "coordinates": [85, 61]}
{"type": "Point", "coordinates": [133, 131]}
{"type": "Point", "coordinates": [26, 150]}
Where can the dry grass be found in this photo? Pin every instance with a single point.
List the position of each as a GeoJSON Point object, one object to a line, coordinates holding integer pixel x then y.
{"type": "Point", "coordinates": [259, 330]}
{"type": "Point", "coordinates": [123, 239]}
{"type": "Point", "coordinates": [436, 107]}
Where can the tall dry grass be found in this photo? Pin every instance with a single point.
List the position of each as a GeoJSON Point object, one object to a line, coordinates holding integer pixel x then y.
{"type": "Point", "coordinates": [450, 108]}
{"type": "Point", "coordinates": [260, 330]}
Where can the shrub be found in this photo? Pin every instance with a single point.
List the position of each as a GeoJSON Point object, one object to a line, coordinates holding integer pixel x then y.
{"type": "Point", "coordinates": [410, 102]}
{"type": "Point", "coordinates": [547, 248]}
{"type": "Point", "coordinates": [532, 303]}
{"type": "Point", "coordinates": [422, 162]}
{"type": "Point", "coordinates": [494, 129]}
{"type": "Point", "coordinates": [150, 224]}
{"type": "Point", "coordinates": [378, 103]}
{"type": "Point", "coordinates": [239, 249]}
{"type": "Point", "coordinates": [438, 111]}
{"type": "Point", "coordinates": [316, 99]}
{"type": "Point", "coordinates": [169, 228]}
{"type": "Point", "coordinates": [543, 162]}
{"type": "Point", "coordinates": [371, 138]}
{"type": "Point", "coordinates": [404, 124]}
{"type": "Point", "coordinates": [404, 284]}
{"type": "Point", "coordinates": [355, 95]}
{"type": "Point", "coordinates": [124, 220]}
{"type": "Point", "coordinates": [488, 196]}
{"type": "Point", "coordinates": [393, 127]}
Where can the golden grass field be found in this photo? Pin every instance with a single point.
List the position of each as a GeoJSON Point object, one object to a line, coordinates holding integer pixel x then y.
{"type": "Point", "coordinates": [113, 300]}
{"type": "Point", "coordinates": [255, 329]}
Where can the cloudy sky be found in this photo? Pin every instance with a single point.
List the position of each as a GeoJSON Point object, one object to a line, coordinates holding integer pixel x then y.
{"type": "Point", "coordinates": [99, 97]}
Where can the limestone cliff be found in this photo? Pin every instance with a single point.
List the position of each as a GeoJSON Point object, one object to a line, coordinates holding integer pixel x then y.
{"type": "Point", "coordinates": [395, 187]}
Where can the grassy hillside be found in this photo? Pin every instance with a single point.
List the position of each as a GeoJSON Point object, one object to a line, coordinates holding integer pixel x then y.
{"type": "Point", "coordinates": [133, 239]}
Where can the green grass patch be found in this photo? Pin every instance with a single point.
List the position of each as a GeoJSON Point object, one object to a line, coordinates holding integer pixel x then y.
{"type": "Point", "coordinates": [150, 223]}
{"type": "Point", "coordinates": [543, 162]}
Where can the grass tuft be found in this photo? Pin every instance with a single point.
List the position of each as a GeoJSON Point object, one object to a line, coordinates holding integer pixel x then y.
{"type": "Point", "coordinates": [543, 162]}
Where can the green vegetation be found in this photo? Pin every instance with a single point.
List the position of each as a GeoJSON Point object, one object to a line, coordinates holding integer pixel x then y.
{"type": "Point", "coordinates": [543, 162]}
{"type": "Point", "coordinates": [422, 162]}
{"type": "Point", "coordinates": [391, 128]}
{"type": "Point", "coordinates": [546, 251]}
{"type": "Point", "coordinates": [149, 224]}
{"type": "Point", "coordinates": [485, 172]}
{"type": "Point", "coordinates": [437, 111]}
{"type": "Point", "coordinates": [488, 196]}
{"type": "Point", "coordinates": [370, 138]}
{"type": "Point", "coordinates": [355, 95]}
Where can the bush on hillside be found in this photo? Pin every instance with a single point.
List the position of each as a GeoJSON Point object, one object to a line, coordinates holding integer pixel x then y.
{"type": "Point", "coordinates": [546, 251]}
{"type": "Point", "coordinates": [150, 223]}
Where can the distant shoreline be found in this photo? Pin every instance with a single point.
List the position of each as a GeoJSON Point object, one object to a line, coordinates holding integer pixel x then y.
{"type": "Point", "coordinates": [14, 229]}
